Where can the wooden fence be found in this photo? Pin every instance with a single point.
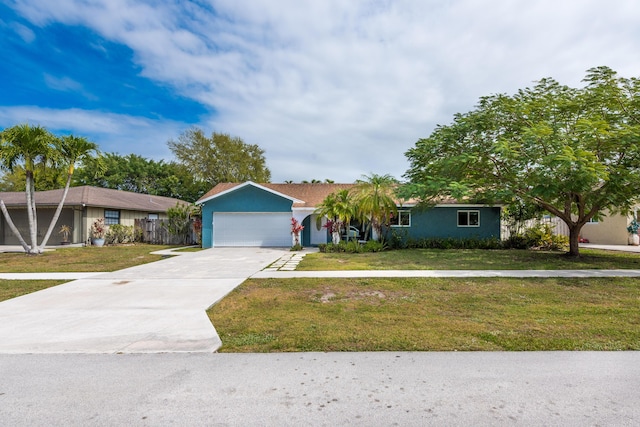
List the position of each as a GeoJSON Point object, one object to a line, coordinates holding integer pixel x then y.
{"type": "Point", "coordinates": [558, 226]}
{"type": "Point", "coordinates": [154, 231]}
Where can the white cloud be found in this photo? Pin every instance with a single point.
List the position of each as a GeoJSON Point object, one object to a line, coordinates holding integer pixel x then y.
{"type": "Point", "coordinates": [25, 33]}
{"type": "Point", "coordinates": [334, 89]}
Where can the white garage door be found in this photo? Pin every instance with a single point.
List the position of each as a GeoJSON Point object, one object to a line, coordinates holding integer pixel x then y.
{"type": "Point", "coordinates": [252, 229]}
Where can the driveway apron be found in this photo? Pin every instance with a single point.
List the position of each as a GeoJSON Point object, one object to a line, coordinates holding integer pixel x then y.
{"type": "Point", "coordinates": [157, 307]}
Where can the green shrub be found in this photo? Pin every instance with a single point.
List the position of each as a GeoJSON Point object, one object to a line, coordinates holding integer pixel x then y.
{"type": "Point", "coordinates": [296, 247]}
{"type": "Point", "coordinates": [373, 246]}
{"type": "Point", "coordinates": [352, 247]}
{"type": "Point", "coordinates": [399, 239]}
{"type": "Point", "coordinates": [540, 237]}
{"type": "Point", "coordinates": [118, 233]}
{"type": "Point", "coordinates": [454, 243]}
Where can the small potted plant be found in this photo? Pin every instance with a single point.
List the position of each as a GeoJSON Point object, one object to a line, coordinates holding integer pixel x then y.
{"type": "Point", "coordinates": [98, 231]}
{"type": "Point", "coordinates": [633, 232]}
{"type": "Point", "coordinates": [65, 230]}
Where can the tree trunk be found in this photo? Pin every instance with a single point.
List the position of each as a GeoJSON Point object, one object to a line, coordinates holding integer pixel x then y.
{"type": "Point", "coordinates": [574, 240]}
{"type": "Point", "coordinates": [56, 215]}
{"type": "Point", "coordinates": [31, 212]}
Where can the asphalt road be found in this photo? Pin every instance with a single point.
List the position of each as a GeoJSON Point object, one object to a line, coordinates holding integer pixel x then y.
{"type": "Point", "coordinates": [332, 389]}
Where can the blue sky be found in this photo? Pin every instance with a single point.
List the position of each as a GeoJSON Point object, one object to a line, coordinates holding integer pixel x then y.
{"type": "Point", "coordinates": [328, 89]}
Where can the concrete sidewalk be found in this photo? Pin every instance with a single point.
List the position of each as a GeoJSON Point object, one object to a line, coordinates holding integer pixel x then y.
{"type": "Point", "coordinates": [157, 307]}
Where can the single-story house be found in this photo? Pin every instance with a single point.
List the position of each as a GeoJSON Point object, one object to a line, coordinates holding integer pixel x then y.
{"type": "Point", "coordinates": [250, 214]}
{"type": "Point", "coordinates": [611, 229]}
{"type": "Point", "coordinates": [82, 206]}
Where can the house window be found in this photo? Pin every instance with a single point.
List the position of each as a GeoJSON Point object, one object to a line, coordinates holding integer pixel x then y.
{"type": "Point", "coordinates": [592, 221]}
{"type": "Point", "coordinates": [152, 216]}
{"type": "Point", "coordinates": [468, 218]}
{"type": "Point", "coordinates": [402, 219]}
{"type": "Point", "coordinates": [111, 217]}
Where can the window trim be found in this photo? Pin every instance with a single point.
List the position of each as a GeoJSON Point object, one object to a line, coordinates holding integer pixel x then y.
{"type": "Point", "coordinates": [155, 215]}
{"type": "Point", "coordinates": [108, 219]}
{"type": "Point", "coordinates": [468, 212]}
{"type": "Point", "coordinates": [399, 224]}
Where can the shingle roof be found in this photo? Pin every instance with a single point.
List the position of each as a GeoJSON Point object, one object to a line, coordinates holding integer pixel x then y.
{"type": "Point", "coordinates": [94, 196]}
{"type": "Point", "coordinates": [308, 195]}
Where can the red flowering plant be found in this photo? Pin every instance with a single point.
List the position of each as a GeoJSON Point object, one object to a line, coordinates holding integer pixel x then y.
{"type": "Point", "coordinates": [333, 227]}
{"type": "Point", "coordinates": [296, 228]}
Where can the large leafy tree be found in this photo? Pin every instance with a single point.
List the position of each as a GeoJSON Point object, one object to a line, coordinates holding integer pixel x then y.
{"type": "Point", "coordinates": [33, 147]}
{"type": "Point", "coordinates": [220, 157]}
{"type": "Point", "coordinates": [376, 200]}
{"type": "Point", "coordinates": [574, 152]}
{"type": "Point", "coordinates": [140, 175]}
{"type": "Point", "coordinates": [45, 178]}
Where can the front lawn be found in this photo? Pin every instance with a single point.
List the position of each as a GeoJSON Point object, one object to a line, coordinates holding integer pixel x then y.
{"type": "Point", "coordinates": [469, 259]}
{"type": "Point", "coordinates": [85, 259]}
{"type": "Point", "coordinates": [281, 315]}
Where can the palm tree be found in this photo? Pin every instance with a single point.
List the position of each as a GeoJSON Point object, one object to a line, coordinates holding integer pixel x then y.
{"type": "Point", "coordinates": [29, 146]}
{"type": "Point", "coordinates": [340, 209]}
{"type": "Point", "coordinates": [70, 150]}
{"type": "Point", "coordinates": [329, 208]}
{"type": "Point", "coordinates": [32, 146]}
{"type": "Point", "coordinates": [375, 198]}
{"type": "Point", "coordinates": [345, 208]}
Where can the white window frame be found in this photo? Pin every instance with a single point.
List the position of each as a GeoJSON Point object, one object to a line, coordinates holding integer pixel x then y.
{"type": "Point", "coordinates": [400, 224]}
{"type": "Point", "coordinates": [153, 216]}
{"type": "Point", "coordinates": [468, 212]}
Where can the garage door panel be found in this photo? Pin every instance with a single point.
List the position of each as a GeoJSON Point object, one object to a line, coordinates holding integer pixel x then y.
{"type": "Point", "coordinates": [252, 229]}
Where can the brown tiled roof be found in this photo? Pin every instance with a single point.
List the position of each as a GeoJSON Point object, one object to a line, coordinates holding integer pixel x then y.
{"type": "Point", "coordinates": [96, 197]}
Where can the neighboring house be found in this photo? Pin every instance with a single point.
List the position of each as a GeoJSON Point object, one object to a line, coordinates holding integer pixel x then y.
{"type": "Point", "coordinates": [250, 214]}
{"type": "Point", "coordinates": [609, 230]}
{"type": "Point", "coordinates": [82, 206]}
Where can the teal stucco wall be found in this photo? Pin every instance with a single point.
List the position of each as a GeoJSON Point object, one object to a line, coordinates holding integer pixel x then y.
{"type": "Point", "coordinates": [442, 222]}
{"type": "Point", "coordinates": [245, 199]}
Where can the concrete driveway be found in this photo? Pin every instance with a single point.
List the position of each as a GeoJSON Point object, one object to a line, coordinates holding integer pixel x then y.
{"type": "Point", "coordinates": [157, 307]}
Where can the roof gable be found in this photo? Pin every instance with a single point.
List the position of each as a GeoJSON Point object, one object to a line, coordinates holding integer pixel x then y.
{"type": "Point", "coordinates": [302, 195]}
{"type": "Point", "coordinates": [228, 187]}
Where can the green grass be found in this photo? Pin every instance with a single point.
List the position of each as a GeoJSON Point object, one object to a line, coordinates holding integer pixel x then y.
{"type": "Point", "coordinates": [281, 315]}
{"type": "Point", "coordinates": [15, 288]}
{"type": "Point", "coordinates": [469, 259]}
{"type": "Point", "coordinates": [85, 259]}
